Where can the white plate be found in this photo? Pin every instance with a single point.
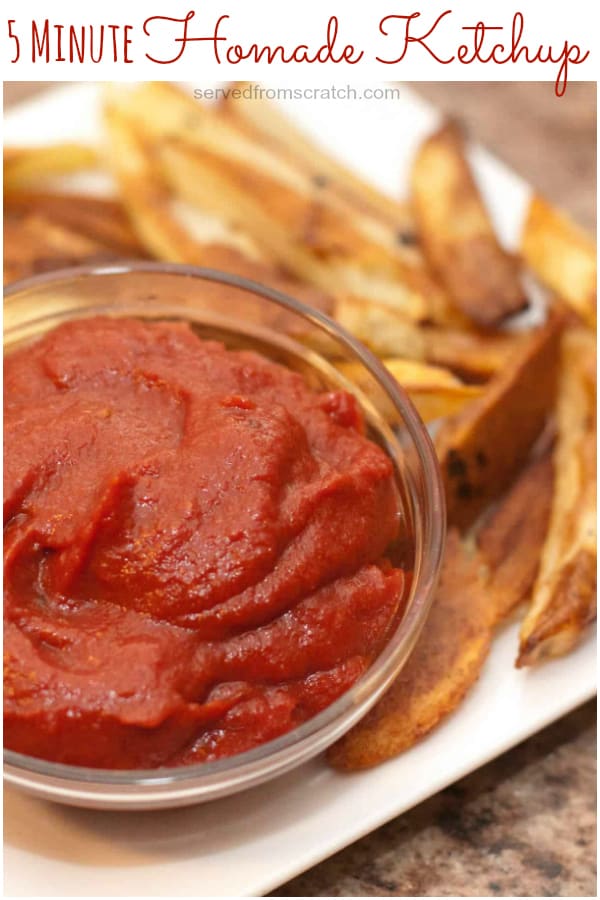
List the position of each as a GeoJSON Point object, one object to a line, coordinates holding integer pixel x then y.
{"type": "Point", "coordinates": [249, 844]}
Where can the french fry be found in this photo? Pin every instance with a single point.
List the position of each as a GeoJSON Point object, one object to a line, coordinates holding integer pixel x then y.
{"type": "Point", "coordinates": [445, 663]}
{"type": "Point", "coordinates": [30, 165]}
{"type": "Point", "coordinates": [167, 115]}
{"type": "Point", "coordinates": [98, 218]}
{"type": "Point", "coordinates": [435, 392]}
{"type": "Point", "coordinates": [563, 257]}
{"type": "Point", "coordinates": [458, 236]}
{"type": "Point", "coordinates": [511, 538]}
{"type": "Point", "coordinates": [144, 195]}
{"type": "Point", "coordinates": [564, 596]}
{"type": "Point", "coordinates": [33, 244]}
{"type": "Point", "coordinates": [377, 326]}
{"type": "Point", "coordinates": [263, 121]}
{"type": "Point", "coordinates": [298, 232]}
{"type": "Point", "coordinates": [483, 448]}
{"type": "Point", "coordinates": [164, 234]}
{"type": "Point", "coordinates": [313, 232]}
{"type": "Point", "coordinates": [165, 111]}
{"type": "Point", "coordinates": [472, 356]}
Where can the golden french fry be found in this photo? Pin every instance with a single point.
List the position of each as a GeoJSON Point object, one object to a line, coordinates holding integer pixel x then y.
{"type": "Point", "coordinates": [382, 330]}
{"type": "Point", "coordinates": [458, 236]}
{"type": "Point", "coordinates": [28, 165]}
{"type": "Point", "coordinates": [312, 231]}
{"type": "Point", "coordinates": [306, 237]}
{"type": "Point", "coordinates": [435, 392]}
{"type": "Point", "coordinates": [445, 663]}
{"type": "Point", "coordinates": [263, 121]}
{"type": "Point", "coordinates": [511, 538]}
{"type": "Point", "coordinates": [483, 447]}
{"type": "Point", "coordinates": [168, 235]}
{"type": "Point", "coordinates": [34, 244]}
{"type": "Point", "coordinates": [98, 218]}
{"type": "Point", "coordinates": [470, 355]}
{"type": "Point", "coordinates": [563, 256]}
{"type": "Point", "coordinates": [162, 228]}
{"type": "Point", "coordinates": [144, 195]}
{"type": "Point", "coordinates": [564, 596]}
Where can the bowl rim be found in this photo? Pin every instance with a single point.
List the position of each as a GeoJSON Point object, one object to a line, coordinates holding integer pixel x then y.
{"type": "Point", "coordinates": [242, 767]}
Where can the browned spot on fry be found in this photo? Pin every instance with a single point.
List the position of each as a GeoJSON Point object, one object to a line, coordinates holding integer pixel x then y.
{"type": "Point", "coordinates": [458, 236]}
{"type": "Point", "coordinates": [569, 609]}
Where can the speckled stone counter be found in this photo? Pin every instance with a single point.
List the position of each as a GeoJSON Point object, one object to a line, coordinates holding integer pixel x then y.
{"type": "Point", "coordinates": [522, 826]}
{"type": "Point", "coordinates": [525, 824]}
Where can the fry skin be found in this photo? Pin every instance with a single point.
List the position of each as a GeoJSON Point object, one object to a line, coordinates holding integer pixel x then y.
{"type": "Point", "coordinates": [458, 236]}
{"type": "Point", "coordinates": [299, 231]}
{"type": "Point", "coordinates": [31, 165]}
{"type": "Point", "coordinates": [483, 448]}
{"type": "Point", "coordinates": [445, 663]}
{"type": "Point", "coordinates": [166, 235]}
{"type": "Point", "coordinates": [511, 538]}
{"type": "Point", "coordinates": [563, 257]}
{"type": "Point", "coordinates": [472, 356]}
{"type": "Point", "coordinates": [392, 220]}
{"type": "Point", "coordinates": [34, 244]}
{"type": "Point", "coordinates": [564, 596]}
{"type": "Point", "coordinates": [319, 234]}
{"type": "Point", "coordinates": [98, 218]}
{"type": "Point", "coordinates": [264, 121]}
{"type": "Point", "coordinates": [435, 392]}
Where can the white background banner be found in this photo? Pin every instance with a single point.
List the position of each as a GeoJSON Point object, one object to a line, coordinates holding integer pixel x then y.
{"type": "Point", "coordinates": [303, 43]}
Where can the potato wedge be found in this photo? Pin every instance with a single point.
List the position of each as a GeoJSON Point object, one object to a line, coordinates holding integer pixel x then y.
{"type": "Point", "coordinates": [483, 448]}
{"type": "Point", "coordinates": [458, 236]}
{"type": "Point", "coordinates": [563, 257]}
{"type": "Point", "coordinates": [564, 596]}
{"type": "Point", "coordinates": [511, 538]}
{"type": "Point", "coordinates": [435, 392]}
{"type": "Point", "coordinates": [28, 165]}
{"type": "Point", "coordinates": [445, 663]}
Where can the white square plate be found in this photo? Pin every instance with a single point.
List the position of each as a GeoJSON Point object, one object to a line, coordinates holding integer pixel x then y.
{"type": "Point", "coordinates": [249, 844]}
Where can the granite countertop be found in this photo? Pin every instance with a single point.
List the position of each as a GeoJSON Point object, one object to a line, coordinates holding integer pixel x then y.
{"type": "Point", "coordinates": [524, 825]}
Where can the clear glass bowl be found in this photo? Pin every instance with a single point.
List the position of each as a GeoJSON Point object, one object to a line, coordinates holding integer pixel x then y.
{"type": "Point", "coordinates": [244, 314]}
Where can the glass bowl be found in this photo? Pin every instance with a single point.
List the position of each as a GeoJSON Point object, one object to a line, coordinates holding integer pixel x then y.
{"type": "Point", "coordinates": [244, 314]}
